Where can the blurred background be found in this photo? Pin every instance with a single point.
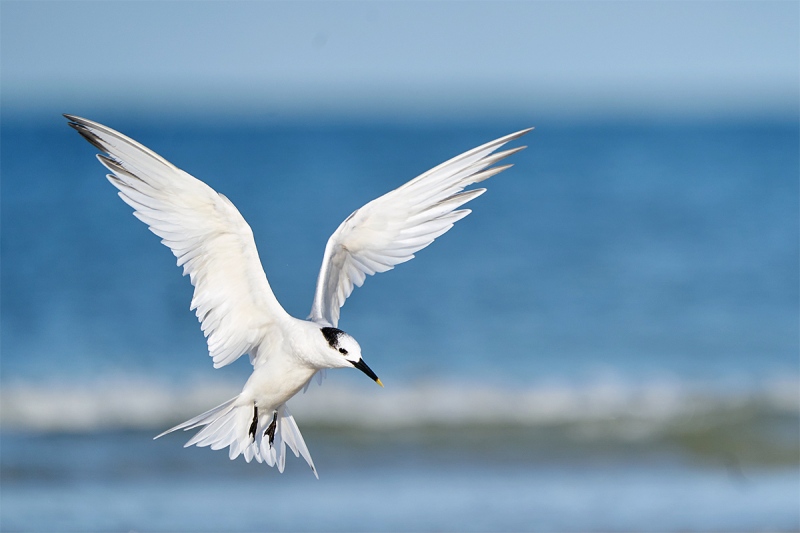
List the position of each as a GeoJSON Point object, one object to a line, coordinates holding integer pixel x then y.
{"type": "Point", "coordinates": [609, 342]}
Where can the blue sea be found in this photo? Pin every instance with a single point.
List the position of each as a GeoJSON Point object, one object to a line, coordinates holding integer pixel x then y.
{"type": "Point", "coordinates": [609, 342]}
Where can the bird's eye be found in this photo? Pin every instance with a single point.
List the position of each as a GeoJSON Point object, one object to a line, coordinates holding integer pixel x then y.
{"type": "Point", "coordinates": [342, 351]}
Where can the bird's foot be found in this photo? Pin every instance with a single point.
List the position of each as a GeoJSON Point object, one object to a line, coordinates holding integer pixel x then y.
{"type": "Point", "coordinates": [254, 423]}
{"type": "Point", "coordinates": [271, 428]}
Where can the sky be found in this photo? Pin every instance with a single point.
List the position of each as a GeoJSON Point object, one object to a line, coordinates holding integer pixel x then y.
{"type": "Point", "coordinates": [401, 59]}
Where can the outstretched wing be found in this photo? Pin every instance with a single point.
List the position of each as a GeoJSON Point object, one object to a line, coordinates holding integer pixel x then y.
{"type": "Point", "coordinates": [390, 229]}
{"type": "Point", "coordinates": [232, 297]}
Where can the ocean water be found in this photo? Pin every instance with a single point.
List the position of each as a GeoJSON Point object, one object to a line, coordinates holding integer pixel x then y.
{"type": "Point", "coordinates": [608, 342]}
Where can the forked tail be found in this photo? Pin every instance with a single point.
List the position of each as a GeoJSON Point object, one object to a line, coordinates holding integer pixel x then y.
{"type": "Point", "coordinates": [248, 432]}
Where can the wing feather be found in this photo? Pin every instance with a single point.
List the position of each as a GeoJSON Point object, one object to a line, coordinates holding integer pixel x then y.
{"type": "Point", "coordinates": [209, 237]}
{"type": "Point", "coordinates": [391, 229]}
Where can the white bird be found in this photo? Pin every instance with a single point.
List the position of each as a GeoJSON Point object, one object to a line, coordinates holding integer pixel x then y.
{"type": "Point", "coordinates": [232, 298]}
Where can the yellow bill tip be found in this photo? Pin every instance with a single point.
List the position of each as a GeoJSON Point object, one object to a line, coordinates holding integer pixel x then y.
{"type": "Point", "coordinates": [378, 381]}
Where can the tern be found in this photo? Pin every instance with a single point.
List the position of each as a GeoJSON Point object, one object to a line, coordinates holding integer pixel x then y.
{"type": "Point", "coordinates": [232, 298]}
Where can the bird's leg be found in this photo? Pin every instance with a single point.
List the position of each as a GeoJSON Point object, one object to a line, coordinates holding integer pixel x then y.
{"type": "Point", "coordinates": [271, 428]}
{"type": "Point", "coordinates": [254, 423]}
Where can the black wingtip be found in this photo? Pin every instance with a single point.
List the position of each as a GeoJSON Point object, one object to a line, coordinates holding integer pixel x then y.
{"type": "Point", "coordinates": [74, 120]}
{"type": "Point", "coordinates": [89, 136]}
{"type": "Point", "coordinates": [77, 124]}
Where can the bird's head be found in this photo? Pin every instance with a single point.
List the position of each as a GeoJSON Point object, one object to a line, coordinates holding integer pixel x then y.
{"type": "Point", "coordinates": [345, 352]}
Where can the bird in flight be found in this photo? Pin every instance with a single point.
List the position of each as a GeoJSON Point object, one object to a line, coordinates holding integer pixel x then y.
{"type": "Point", "coordinates": [232, 298]}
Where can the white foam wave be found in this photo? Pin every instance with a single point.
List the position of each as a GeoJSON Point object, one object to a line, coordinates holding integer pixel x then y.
{"type": "Point", "coordinates": [138, 403]}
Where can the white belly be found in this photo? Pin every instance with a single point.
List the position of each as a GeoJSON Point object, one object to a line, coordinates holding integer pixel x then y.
{"type": "Point", "coordinates": [273, 383]}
